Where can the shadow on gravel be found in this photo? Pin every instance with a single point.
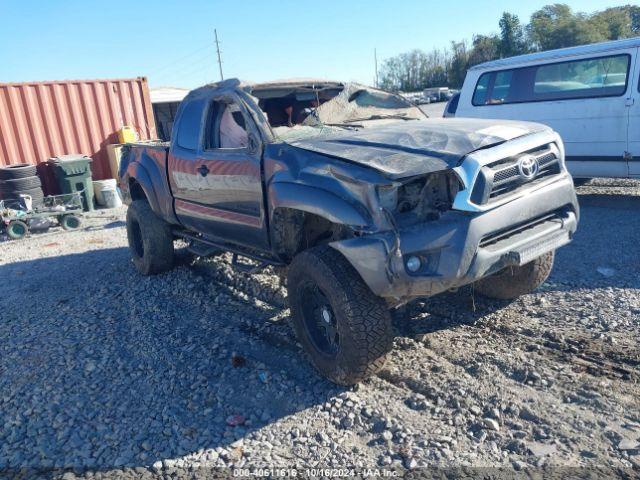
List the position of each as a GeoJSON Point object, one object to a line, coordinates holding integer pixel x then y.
{"type": "Point", "coordinates": [443, 312]}
{"type": "Point", "coordinates": [446, 311]}
{"type": "Point", "coordinates": [101, 368]}
{"type": "Point", "coordinates": [616, 202]}
{"type": "Point", "coordinates": [605, 252]}
{"type": "Point", "coordinates": [116, 224]}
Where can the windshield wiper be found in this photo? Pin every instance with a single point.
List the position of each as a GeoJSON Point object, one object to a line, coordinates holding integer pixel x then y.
{"type": "Point", "coordinates": [380, 117]}
{"type": "Point", "coordinates": [344, 125]}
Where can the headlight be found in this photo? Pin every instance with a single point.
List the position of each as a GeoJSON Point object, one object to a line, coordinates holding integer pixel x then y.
{"type": "Point", "coordinates": [420, 198]}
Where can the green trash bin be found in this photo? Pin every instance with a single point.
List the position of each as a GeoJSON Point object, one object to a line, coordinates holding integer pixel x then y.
{"type": "Point", "coordinates": [73, 174]}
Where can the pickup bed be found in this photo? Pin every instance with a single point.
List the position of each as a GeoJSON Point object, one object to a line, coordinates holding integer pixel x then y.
{"type": "Point", "coordinates": [365, 202]}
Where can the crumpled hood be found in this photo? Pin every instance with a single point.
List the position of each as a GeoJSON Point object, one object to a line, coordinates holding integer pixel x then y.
{"type": "Point", "coordinates": [408, 148]}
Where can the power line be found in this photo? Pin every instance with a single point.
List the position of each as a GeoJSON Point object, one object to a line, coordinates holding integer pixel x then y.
{"type": "Point", "coordinates": [180, 59]}
{"type": "Point", "coordinates": [185, 68]}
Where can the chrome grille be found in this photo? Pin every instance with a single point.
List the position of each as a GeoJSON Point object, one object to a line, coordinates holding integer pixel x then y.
{"type": "Point", "coordinates": [501, 178]}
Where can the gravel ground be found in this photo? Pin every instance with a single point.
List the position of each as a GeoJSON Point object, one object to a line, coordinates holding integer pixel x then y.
{"type": "Point", "coordinates": [102, 370]}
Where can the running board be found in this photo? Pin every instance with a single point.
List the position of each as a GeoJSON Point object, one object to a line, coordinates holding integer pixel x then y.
{"type": "Point", "coordinates": [247, 267]}
{"type": "Point", "coordinates": [204, 247]}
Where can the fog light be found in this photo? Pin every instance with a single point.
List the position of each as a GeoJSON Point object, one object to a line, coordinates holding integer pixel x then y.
{"type": "Point", "coordinates": [413, 264]}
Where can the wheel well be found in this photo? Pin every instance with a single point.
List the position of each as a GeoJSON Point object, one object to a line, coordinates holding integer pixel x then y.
{"type": "Point", "coordinates": [293, 231]}
{"type": "Point", "coordinates": [136, 191]}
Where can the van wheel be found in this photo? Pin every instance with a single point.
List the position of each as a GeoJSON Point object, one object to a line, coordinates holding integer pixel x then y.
{"type": "Point", "coordinates": [512, 282]}
{"type": "Point", "coordinates": [344, 328]}
{"type": "Point", "coordinates": [150, 239]}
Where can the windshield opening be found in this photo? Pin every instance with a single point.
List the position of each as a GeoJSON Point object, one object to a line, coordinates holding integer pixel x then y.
{"type": "Point", "coordinates": [310, 109]}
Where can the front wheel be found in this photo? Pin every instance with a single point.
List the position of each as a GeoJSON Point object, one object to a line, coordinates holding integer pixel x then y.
{"type": "Point", "coordinates": [512, 282]}
{"type": "Point", "coordinates": [344, 328]}
{"type": "Point", "coordinates": [150, 239]}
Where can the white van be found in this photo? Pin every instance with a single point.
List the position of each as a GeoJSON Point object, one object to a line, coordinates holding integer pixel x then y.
{"type": "Point", "coordinates": [589, 94]}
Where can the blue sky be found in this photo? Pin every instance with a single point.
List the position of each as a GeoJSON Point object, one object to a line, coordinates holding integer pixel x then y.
{"type": "Point", "coordinates": [172, 42]}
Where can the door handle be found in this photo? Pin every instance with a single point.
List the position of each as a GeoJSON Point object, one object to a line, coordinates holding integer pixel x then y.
{"type": "Point", "coordinates": [203, 170]}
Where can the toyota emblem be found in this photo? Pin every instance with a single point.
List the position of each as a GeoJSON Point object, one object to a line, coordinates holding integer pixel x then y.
{"type": "Point", "coordinates": [528, 167]}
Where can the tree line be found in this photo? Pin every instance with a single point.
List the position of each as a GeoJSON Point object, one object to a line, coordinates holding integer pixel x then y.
{"type": "Point", "coordinates": [553, 26]}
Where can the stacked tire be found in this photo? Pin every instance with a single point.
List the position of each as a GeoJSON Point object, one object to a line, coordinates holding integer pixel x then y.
{"type": "Point", "coordinates": [20, 179]}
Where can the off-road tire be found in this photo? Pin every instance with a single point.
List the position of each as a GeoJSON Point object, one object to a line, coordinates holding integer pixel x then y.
{"type": "Point", "coordinates": [363, 320]}
{"type": "Point", "coordinates": [19, 184]}
{"type": "Point", "coordinates": [515, 281]}
{"type": "Point", "coordinates": [150, 239]}
{"type": "Point", "coordinates": [20, 170]}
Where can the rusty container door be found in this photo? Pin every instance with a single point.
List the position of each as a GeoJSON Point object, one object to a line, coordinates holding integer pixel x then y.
{"type": "Point", "coordinates": [41, 120]}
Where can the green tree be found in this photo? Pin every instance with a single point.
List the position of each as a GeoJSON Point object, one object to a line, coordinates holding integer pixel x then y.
{"type": "Point", "coordinates": [458, 64]}
{"type": "Point", "coordinates": [616, 22]}
{"type": "Point", "coordinates": [485, 48]}
{"type": "Point", "coordinates": [513, 40]}
{"type": "Point", "coordinates": [556, 26]}
{"type": "Point", "coordinates": [414, 70]}
{"type": "Point", "coordinates": [634, 13]}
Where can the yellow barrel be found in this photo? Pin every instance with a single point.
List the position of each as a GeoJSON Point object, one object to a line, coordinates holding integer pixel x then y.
{"type": "Point", "coordinates": [127, 135]}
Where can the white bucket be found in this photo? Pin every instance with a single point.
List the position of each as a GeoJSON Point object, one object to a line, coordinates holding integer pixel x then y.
{"type": "Point", "coordinates": [111, 198]}
{"type": "Point", "coordinates": [106, 192]}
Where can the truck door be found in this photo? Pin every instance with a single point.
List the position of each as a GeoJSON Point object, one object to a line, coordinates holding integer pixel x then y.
{"type": "Point", "coordinates": [633, 130]}
{"type": "Point", "coordinates": [217, 185]}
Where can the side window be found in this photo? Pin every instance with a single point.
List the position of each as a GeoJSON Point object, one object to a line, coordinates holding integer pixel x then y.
{"type": "Point", "coordinates": [493, 88]}
{"type": "Point", "coordinates": [597, 77]}
{"type": "Point", "coordinates": [226, 127]}
{"type": "Point", "coordinates": [588, 78]}
{"type": "Point", "coordinates": [501, 87]}
{"type": "Point", "coordinates": [480, 93]}
{"type": "Point", "coordinates": [189, 127]}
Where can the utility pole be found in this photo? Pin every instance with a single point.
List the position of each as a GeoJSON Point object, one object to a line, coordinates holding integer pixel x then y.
{"type": "Point", "coordinates": [375, 61]}
{"type": "Point", "coordinates": [215, 32]}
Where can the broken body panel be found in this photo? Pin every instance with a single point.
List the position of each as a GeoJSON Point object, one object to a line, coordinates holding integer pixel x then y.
{"type": "Point", "coordinates": [379, 192]}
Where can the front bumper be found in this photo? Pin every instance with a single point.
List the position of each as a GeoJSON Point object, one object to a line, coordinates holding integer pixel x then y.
{"type": "Point", "coordinates": [462, 247]}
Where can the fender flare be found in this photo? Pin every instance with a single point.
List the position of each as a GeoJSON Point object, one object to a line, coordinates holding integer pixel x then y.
{"type": "Point", "coordinates": [316, 201]}
{"type": "Point", "coordinates": [139, 174]}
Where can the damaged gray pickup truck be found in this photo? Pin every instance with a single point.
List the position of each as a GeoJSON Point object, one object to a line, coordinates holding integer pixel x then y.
{"type": "Point", "coordinates": [366, 202]}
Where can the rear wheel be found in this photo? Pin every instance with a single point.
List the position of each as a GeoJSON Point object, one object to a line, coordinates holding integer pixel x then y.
{"type": "Point", "coordinates": [17, 229]}
{"type": "Point", "coordinates": [515, 281]}
{"type": "Point", "coordinates": [150, 239]}
{"type": "Point", "coordinates": [344, 328]}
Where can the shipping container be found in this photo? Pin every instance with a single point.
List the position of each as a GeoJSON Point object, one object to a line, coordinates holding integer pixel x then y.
{"type": "Point", "coordinates": [165, 102]}
{"type": "Point", "coordinates": [40, 120]}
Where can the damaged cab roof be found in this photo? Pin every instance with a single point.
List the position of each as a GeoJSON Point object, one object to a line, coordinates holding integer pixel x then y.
{"type": "Point", "coordinates": [374, 128]}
